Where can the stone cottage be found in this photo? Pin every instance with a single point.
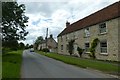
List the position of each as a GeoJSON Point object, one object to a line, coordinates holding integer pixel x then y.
{"type": "Point", "coordinates": [103, 24]}
{"type": "Point", "coordinates": [50, 43]}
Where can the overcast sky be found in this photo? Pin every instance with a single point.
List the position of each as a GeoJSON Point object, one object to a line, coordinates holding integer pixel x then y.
{"type": "Point", "coordinates": [53, 14]}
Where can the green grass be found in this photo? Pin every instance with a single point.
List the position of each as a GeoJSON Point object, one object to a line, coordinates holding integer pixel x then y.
{"type": "Point", "coordinates": [84, 63]}
{"type": "Point", "coordinates": [11, 64]}
{"type": "Point", "coordinates": [0, 66]}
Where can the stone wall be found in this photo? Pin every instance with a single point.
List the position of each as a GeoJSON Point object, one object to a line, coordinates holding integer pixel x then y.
{"type": "Point", "coordinates": [111, 36]}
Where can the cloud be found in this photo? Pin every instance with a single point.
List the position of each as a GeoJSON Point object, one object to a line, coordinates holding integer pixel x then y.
{"type": "Point", "coordinates": [53, 14]}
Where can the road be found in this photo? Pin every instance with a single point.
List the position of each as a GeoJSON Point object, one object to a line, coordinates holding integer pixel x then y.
{"type": "Point", "coordinates": [38, 66]}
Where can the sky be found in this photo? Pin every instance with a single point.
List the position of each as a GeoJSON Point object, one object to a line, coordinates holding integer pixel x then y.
{"type": "Point", "coordinates": [53, 14]}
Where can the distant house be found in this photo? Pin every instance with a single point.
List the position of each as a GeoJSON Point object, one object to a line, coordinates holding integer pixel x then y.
{"type": "Point", "coordinates": [50, 43]}
{"type": "Point", "coordinates": [103, 25]}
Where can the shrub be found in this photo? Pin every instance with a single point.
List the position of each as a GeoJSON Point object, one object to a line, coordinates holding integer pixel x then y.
{"type": "Point", "coordinates": [80, 51]}
{"type": "Point", "coordinates": [45, 50]}
{"type": "Point", "coordinates": [93, 47]}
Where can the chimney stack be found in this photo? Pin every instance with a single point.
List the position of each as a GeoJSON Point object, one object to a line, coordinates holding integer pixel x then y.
{"type": "Point", "coordinates": [51, 36]}
{"type": "Point", "coordinates": [67, 24]}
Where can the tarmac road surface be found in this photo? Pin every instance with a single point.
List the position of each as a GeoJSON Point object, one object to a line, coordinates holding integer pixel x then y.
{"type": "Point", "coordinates": [35, 65]}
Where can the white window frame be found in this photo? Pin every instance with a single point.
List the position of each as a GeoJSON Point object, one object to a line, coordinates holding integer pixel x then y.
{"type": "Point", "coordinates": [101, 28]}
{"type": "Point", "coordinates": [101, 52]}
{"type": "Point", "coordinates": [87, 32]}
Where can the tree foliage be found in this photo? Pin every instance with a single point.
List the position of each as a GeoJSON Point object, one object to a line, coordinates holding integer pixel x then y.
{"type": "Point", "coordinates": [13, 22]}
{"type": "Point", "coordinates": [21, 45]}
{"type": "Point", "coordinates": [93, 47]}
{"type": "Point", "coordinates": [26, 46]}
{"type": "Point", "coordinates": [80, 51]}
{"type": "Point", "coordinates": [38, 41]}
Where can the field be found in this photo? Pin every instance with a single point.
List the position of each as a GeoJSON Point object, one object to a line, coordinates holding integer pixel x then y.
{"type": "Point", "coordinates": [11, 64]}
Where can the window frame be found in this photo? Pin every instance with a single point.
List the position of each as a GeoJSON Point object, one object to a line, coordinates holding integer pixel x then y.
{"type": "Point", "coordinates": [100, 27]}
{"type": "Point", "coordinates": [104, 52]}
{"type": "Point", "coordinates": [87, 49]}
{"type": "Point", "coordinates": [86, 34]}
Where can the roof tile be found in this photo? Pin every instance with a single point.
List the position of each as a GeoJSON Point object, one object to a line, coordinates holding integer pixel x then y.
{"type": "Point", "coordinates": [102, 15]}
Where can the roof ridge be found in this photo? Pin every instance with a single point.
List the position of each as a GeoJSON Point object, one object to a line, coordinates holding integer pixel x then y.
{"type": "Point", "coordinates": [98, 16]}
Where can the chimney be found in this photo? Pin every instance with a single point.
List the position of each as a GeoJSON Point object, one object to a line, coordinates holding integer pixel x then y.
{"type": "Point", "coordinates": [67, 24]}
{"type": "Point", "coordinates": [51, 36]}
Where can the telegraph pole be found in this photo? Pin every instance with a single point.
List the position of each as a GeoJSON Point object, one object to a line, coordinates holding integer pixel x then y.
{"type": "Point", "coordinates": [46, 36]}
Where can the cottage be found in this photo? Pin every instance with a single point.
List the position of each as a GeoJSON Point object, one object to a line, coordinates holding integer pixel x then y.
{"type": "Point", "coordinates": [103, 25]}
{"type": "Point", "coordinates": [50, 43]}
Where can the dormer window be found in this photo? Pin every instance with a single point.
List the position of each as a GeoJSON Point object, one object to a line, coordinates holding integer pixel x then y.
{"type": "Point", "coordinates": [87, 32]}
{"type": "Point", "coordinates": [102, 28]}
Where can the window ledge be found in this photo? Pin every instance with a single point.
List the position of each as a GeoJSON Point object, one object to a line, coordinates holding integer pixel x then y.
{"type": "Point", "coordinates": [104, 54]}
{"type": "Point", "coordinates": [87, 52]}
{"type": "Point", "coordinates": [102, 33]}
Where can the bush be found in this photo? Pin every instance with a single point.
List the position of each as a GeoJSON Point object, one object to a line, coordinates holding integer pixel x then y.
{"type": "Point", "coordinates": [5, 50]}
{"type": "Point", "coordinates": [45, 50]}
{"type": "Point", "coordinates": [80, 51]}
{"type": "Point", "coordinates": [93, 47]}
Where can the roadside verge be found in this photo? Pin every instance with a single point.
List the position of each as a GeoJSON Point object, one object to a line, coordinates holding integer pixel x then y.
{"type": "Point", "coordinates": [84, 63]}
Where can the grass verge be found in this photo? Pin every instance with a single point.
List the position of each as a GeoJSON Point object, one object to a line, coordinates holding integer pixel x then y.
{"type": "Point", "coordinates": [84, 63]}
{"type": "Point", "coordinates": [11, 64]}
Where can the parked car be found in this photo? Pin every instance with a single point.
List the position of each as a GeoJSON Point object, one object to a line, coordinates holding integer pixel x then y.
{"type": "Point", "coordinates": [32, 50]}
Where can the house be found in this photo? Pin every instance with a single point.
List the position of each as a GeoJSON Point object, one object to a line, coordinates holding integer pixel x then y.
{"type": "Point", "coordinates": [51, 44]}
{"type": "Point", "coordinates": [103, 25]}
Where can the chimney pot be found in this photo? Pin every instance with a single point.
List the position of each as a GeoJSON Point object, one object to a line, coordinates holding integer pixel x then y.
{"type": "Point", "coordinates": [67, 24]}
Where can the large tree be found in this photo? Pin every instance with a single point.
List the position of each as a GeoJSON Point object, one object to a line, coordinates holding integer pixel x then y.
{"type": "Point", "coordinates": [21, 45]}
{"type": "Point", "coordinates": [38, 41]}
{"type": "Point", "coordinates": [13, 22]}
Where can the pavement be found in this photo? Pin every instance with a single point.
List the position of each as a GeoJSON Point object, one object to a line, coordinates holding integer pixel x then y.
{"type": "Point", "coordinates": [35, 65]}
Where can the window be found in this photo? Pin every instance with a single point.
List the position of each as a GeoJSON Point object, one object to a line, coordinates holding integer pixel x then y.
{"type": "Point", "coordinates": [87, 32]}
{"type": "Point", "coordinates": [103, 47]}
{"type": "Point", "coordinates": [102, 28]}
{"type": "Point", "coordinates": [87, 45]}
{"type": "Point", "coordinates": [61, 47]}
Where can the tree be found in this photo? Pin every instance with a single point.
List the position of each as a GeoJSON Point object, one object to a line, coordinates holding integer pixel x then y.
{"type": "Point", "coordinates": [13, 23]}
{"type": "Point", "coordinates": [93, 47]}
{"type": "Point", "coordinates": [21, 45]}
{"type": "Point", "coordinates": [38, 41]}
{"type": "Point", "coordinates": [70, 46]}
{"type": "Point", "coordinates": [12, 44]}
{"type": "Point", "coordinates": [26, 46]}
{"type": "Point", "coordinates": [31, 46]}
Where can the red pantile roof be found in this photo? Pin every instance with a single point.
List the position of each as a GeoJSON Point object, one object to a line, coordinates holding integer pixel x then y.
{"type": "Point", "coordinates": [102, 15]}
